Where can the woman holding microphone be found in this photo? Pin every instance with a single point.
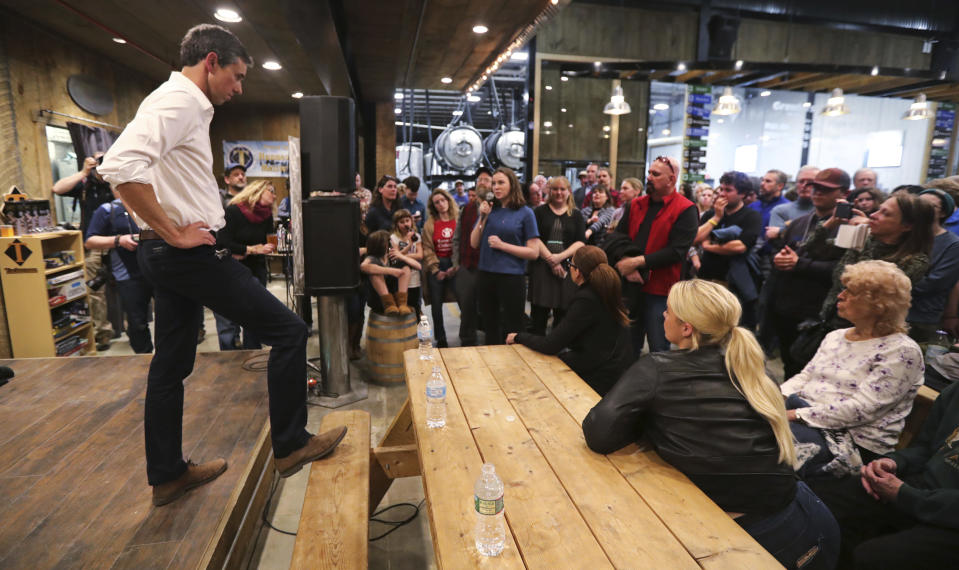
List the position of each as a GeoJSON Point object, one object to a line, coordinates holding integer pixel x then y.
{"type": "Point", "coordinates": [507, 237]}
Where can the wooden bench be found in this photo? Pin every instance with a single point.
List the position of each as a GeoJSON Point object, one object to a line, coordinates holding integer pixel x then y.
{"type": "Point", "coordinates": [334, 524]}
{"type": "Point", "coordinates": [920, 409]}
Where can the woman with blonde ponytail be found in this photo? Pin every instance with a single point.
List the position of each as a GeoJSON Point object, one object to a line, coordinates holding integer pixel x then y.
{"type": "Point", "coordinates": [710, 410]}
{"type": "Point", "coordinates": [595, 329]}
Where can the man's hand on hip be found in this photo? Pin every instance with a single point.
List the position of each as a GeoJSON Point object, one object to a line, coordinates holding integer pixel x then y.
{"type": "Point", "coordinates": [194, 235]}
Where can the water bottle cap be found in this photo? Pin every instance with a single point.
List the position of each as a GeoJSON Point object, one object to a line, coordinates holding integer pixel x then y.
{"type": "Point", "coordinates": [436, 370]}
{"type": "Point", "coordinates": [489, 468]}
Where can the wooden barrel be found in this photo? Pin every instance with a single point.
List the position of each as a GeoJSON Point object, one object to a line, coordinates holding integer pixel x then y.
{"type": "Point", "coordinates": [387, 337]}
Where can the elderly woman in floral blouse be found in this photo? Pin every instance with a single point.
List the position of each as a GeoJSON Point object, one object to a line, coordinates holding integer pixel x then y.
{"type": "Point", "coordinates": [848, 405]}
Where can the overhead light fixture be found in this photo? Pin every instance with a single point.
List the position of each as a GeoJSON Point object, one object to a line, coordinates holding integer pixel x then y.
{"type": "Point", "coordinates": [570, 125]}
{"type": "Point", "coordinates": [875, 70]}
{"type": "Point", "coordinates": [667, 132]}
{"type": "Point", "coordinates": [519, 56]}
{"type": "Point", "coordinates": [562, 109]}
{"type": "Point", "coordinates": [549, 87]}
{"type": "Point", "coordinates": [120, 40]}
{"type": "Point", "coordinates": [398, 111]}
{"type": "Point", "coordinates": [617, 103]}
{"type": "Point", "coordinates": [547, 124]}
{"type": "Point", "coordinates": [766, 93]}
{"type": "Point", "coordinates": [554, 2]}
{"type": "Point", "coordinates": [227, 15]}
{"type": "Point", "coordinates": [728, 103]}
{"type": "Point", "coordinates": [605, 136]}
{"type": "Point", "coordinates": [480, 29]}
{"type": "Point", "coordinates": [807, 104]}
{"type": "Point", "coordinates": [639, 130]}
{"type": "Point", "coordinates": [473, 98]}
{"type": "Point", "coordinates": [297, 95]}
{"type": "Point", "coordinates": [398, 96]}
{"type": "Point", "coordinates": [606, 128]}
{"type": "Point", "coordinates": [681, 67]}
{"type": "Point", "coordinates": [272, 65]}
{"type": "Point", "coordinates": [942, 75]}
{"type": "Point", "coordinates": [457, 113]}
{"type": "Point", "coordinates": [598, 64]}
{"type": "Point", "coordinates": [661, 106]}
{"type": "Point", "coordinates": [720, 121]}
{"type": "Point", "coordinates": [919, 110]}
{"type": "Point", "coordinates": [446, 80]}
{"type": "Point", "coordinates": [836, 105]}
{"type": "Point", "coordinates": [564, 78]}
{"type": "Point", "coordinates": [739, 64]}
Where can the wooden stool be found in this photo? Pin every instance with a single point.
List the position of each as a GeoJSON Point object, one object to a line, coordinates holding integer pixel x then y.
{"type": "Point", "coordinates": [386, 339]}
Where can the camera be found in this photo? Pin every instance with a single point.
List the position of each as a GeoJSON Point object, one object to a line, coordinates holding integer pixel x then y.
{"type": "Point", "coordinates": [99, 280]}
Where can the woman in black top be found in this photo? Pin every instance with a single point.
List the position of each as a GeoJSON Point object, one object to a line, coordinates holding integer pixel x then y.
{"type": "Point", "coordinates": [561, 228]}
{"type": "Point", "coordinates": [710, 410]}
{"type": "Point", "coordinates": [384, 204]}
{"type": "Point", "coordinates": [249, 218]}
{"type": "Point", "coordinates": [595, 328]}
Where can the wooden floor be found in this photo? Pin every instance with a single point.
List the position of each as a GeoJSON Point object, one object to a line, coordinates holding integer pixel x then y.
{"type": "Point", "coordinates": [73, 487]}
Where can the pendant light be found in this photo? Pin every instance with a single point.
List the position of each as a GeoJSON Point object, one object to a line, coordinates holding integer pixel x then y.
{"type": "Point", "coordinates": [728, 103]}
{"type": "Point", "coordinates": [918, 110]}
{"type": "Point", "coordinates": [836, 105]}
{"type": "Point", "coordinates": [617, 103]}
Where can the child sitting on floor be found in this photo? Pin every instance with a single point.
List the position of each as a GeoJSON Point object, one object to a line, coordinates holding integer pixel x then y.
{"type": "Point", "coordinates": [389, 283]}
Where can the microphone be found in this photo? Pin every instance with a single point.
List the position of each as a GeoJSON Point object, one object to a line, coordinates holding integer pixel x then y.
{"type": "Point", "coordinates": [491, 200]}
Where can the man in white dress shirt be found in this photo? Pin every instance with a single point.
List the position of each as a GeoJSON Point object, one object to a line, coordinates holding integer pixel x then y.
{"type": "Point", "coordinates": [162, 166]}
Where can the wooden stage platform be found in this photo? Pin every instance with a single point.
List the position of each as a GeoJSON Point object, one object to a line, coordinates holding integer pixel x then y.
{"type": "Point", "coordinates": [73, 485]}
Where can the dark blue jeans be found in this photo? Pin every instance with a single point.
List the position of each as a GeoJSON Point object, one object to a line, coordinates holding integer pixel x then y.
{"type": "Point", "coordinates": [135, 295]}
{"type": "Point", "coordinates": [646, 313]}
{"type": "Point", "coordinates": [803, 535]}
{"type": "Point", "coordinates": [183, 280]}
{"type": "Point", "coordinates": [438, 291]}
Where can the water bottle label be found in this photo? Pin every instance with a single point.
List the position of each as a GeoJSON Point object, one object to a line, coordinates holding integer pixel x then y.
{"type": "Point", "coordinates": [436, 391]}
{"type": "Point", "coordinates": [488, 506]}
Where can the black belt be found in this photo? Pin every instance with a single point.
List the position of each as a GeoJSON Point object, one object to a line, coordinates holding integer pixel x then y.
{"type": "Point", "coordinates": [150, 234]}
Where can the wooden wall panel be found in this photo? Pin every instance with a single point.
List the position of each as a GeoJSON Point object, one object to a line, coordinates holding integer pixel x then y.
{"type": "Point", "coordinates": [385, 142]}
{"type": "Point", "coordinates": [762, 40]}
{"type": "Point", "coordinates": [39, 64]}
{"type": "Point", "coordinates": [619, 32]}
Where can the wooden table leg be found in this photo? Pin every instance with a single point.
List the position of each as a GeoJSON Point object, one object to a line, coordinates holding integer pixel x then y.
{"type": "Point", "coordinates": [394, 457]}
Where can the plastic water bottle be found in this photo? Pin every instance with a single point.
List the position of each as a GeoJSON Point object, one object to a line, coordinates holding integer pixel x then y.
{"type": "Point", "coordinates": [938, 346]}
{"type": "Point", "coordinates": [490, 527]}
{"type": "Point", "coordinates": [436, 399]}
{"type": "Point", "coordinates": [425, 335]}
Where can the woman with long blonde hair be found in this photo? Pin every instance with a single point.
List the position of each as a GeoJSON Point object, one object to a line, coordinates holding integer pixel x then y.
{"type": "Point", "coordinates": [710, 410]}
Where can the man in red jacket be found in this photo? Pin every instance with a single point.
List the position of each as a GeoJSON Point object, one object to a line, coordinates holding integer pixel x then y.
{"type": "Point", "coordinates": [663, 224]}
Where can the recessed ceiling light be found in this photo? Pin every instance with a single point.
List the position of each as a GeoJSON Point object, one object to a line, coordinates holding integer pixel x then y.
{"type": "Point", "coordinates": [570, 125]}
{"type": "Point", "coordinates": [227, 15]}
{"type": "Point", "coordinates": [519, 56]}
{"type": "Point", "coordinates": [446, 80]}
{"type": "Point", "coordinates": [605, 136]}
{"type": "Point", "coordinates": [120, 40]}
{"type": "Point", "coordinates": [549, 87]}
{"type": "Point", "coordinates": [298, 95]}
{"type": "Point", "coordinates": [661, 106]}
{"type": "Point", "coordinates": [473, 98]}
{"type": "Point", "coordinates": [564, 78]}
{"type": "Point", "coordinates": [875, 70]}
{"type": "Point", "coordinates": [681, 67]}
{"type": "Point", "coordinates": [398, 96]}
{"type": "Point", "coordinates": [272, 65]}
{"type": "Point", "coordinates": [807, 104]}
{"type": "Point", "coordinates": [554, 2]}
{"type": "Point", "coordinates": [598, 63]}
{"type": "Point", "coordinates": [398, 111]}
{"type": "Point", "coordinates": [547, 124]}
{"type": "Point", "coordinates": [480, 29]}
{"type": "Point", "coordinates": [666, 132]}
{"type": "Point", "coordinates": [766, 93]}
{"type": "Point", "coordinates": [739, 64]}
{"type": "Point", "coordinates": [605, 128]}
{"type": "Point", "coordinates": [640, 129]}
{"type": "Point", "coordinates": [562, 110]}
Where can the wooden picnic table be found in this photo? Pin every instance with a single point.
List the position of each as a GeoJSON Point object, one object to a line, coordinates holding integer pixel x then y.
{"type": "Point", "coordinates": [566, 506]}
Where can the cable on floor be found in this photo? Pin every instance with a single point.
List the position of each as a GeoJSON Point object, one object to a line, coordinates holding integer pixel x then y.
{"type": "Point", "coordinates": [395, 524]}
{"type": "Point", "coordinates": [266, 509]}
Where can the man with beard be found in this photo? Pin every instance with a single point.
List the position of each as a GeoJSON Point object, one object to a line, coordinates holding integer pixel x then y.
{"type": "Point", "coordinates": [235, 180]}
{"type": "Point", "coordinates": [579, 195]}
{"type": "Point", "coordinates": [662, 223]}
{"type": "Point", "coordinates": [781, 214]}
{"type": "Point", "coordinates": [469, 258]}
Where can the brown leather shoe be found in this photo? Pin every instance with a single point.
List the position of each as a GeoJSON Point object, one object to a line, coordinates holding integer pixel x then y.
{"type": "Point", "coordinates": [194, 476]}
{"type": "Point", "coordinates": [319, 446]}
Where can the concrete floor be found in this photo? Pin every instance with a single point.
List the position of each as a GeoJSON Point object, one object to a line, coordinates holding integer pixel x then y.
{"type": "Point", "coordinates": [408, 548]}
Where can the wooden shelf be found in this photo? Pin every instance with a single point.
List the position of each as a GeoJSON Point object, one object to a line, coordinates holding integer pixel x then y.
{"type": "Point", "coordinates": [72, 331]}
{"type": "Point", "coordinates": [84, 296]}
{"type": "Point", "coordinates": [53, 270]}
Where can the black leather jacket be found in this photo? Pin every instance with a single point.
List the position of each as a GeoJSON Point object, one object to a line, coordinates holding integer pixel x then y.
{"type": "Point", "coordinates": [685, 405]}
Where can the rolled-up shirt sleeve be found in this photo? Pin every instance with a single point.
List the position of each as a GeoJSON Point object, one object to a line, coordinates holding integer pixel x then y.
{"type": "Point", "coordinates": [157, 128]}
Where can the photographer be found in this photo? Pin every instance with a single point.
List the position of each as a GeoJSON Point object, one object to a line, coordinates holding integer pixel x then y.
{"type": "Point", "coordinates": [112, 227]}
{"type": "Point", "coordinates": [90, 191]}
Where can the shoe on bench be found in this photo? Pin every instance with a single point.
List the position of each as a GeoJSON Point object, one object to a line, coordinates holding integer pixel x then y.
{"type": "Point", "coordinates": [319, 446]}
{"type": "Point", "coordinates": [194, 476]}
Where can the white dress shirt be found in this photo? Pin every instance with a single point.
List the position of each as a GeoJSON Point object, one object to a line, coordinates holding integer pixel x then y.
{"type": "Point", "coordinates": [168, 145]}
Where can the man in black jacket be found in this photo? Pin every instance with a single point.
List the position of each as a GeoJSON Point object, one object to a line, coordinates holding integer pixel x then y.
{"type": "Point", "coordinates": [802, 275]}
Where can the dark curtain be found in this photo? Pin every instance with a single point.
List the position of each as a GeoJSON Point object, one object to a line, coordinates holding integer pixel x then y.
{"type": "Point", "coordinates": [89, 140]}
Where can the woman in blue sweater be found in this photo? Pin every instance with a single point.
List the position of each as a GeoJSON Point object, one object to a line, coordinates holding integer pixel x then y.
{"type": "Point", "coordinates": [507, 238]}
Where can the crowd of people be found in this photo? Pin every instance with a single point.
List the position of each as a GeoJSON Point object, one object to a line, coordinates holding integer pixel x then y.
{"type": "Point", "coordinates": [669, 302]}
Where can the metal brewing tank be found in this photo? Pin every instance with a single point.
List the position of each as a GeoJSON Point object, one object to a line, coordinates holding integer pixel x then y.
{"type": "Point", "coordinates": [506, 147]}
{"type": "Point", "coordinates": [459, 147]}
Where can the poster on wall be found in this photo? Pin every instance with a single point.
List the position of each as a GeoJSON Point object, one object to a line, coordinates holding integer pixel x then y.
{"type": "Point", "coordinates": [941, 135]}
{"type": "Point", "coordinates": [264, 159]}
{"type": "Point", "coordinates": [698, 104]}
